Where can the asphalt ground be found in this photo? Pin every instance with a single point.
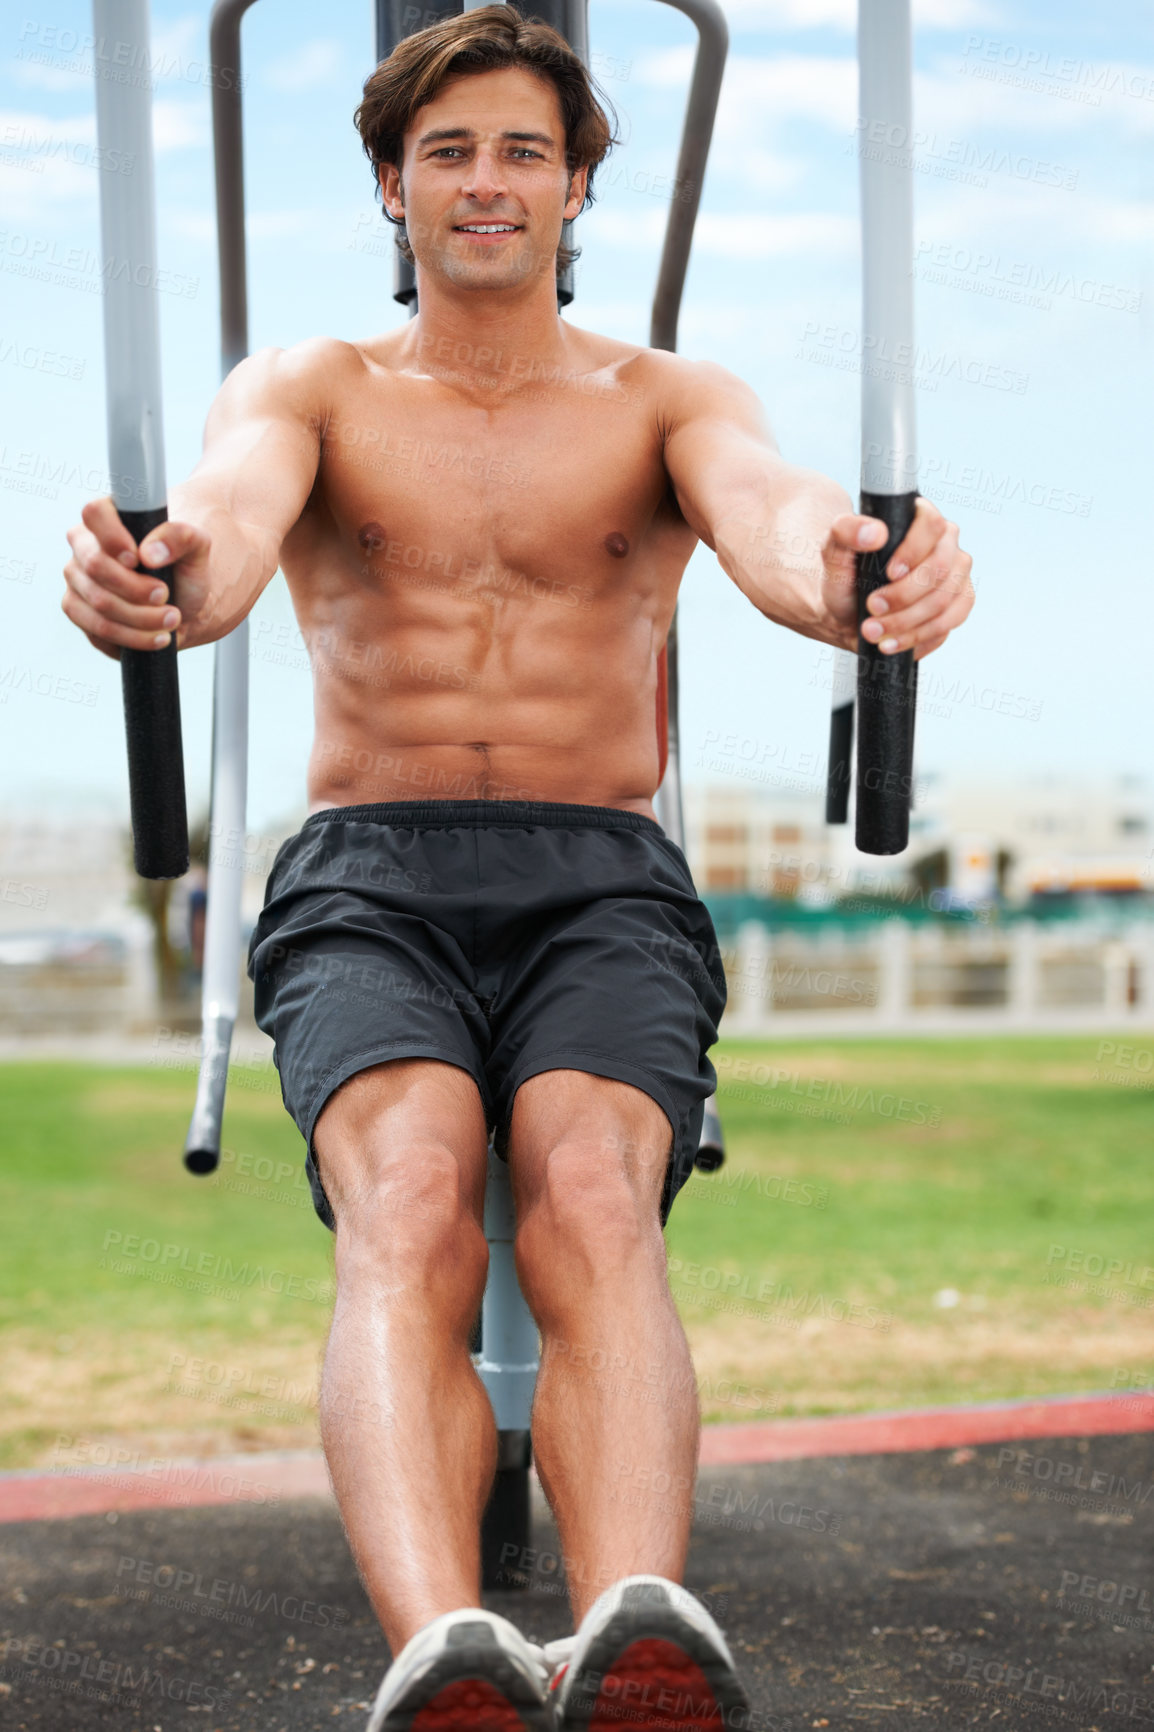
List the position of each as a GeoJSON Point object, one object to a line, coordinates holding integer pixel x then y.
{"type": "Point", "coordinates": [1005, 1585]}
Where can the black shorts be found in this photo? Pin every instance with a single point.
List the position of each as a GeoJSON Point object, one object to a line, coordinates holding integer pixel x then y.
{"type": "Point", "coordinates": [507, 938]}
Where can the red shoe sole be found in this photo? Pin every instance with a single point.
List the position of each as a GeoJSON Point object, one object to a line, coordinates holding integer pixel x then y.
{"type": "Point", "coordinates": [470, 1703]}
{"type": "Point", "coordinates": [655, 1687]}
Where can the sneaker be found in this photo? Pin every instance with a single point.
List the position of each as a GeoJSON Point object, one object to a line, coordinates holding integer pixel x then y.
{"type": "Point", "coordinates": [467, 1671]}
{"type": "Point", "coordinates": [649, 1657]}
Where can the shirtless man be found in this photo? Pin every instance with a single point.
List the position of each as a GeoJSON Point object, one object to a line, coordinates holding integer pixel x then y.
{"type": "Point", "coordinates": [483, 517]}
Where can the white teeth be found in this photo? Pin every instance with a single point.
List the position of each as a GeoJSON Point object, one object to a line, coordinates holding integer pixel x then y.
{"type": "Point", "coordinates": [488, 228]}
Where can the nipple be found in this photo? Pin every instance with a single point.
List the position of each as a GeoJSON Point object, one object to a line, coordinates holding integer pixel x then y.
{"type": "Point", "coordinates": [371, 537]}
{"type": "Point", "coordinates": [617, 545]}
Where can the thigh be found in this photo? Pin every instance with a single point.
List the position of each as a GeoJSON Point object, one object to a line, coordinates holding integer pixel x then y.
{"type": "Point", "coordinates": [403, 1134]}
{"type": "Point", "coordinates": [628, 991]}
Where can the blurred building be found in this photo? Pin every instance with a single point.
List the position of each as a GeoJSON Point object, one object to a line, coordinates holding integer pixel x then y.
{"type": "Point", "coordinates": [88, 947]}
{"type": "Point", "coordinates": [971, 842]}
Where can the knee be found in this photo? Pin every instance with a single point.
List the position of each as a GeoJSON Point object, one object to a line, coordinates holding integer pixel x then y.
{"type": "Point", "coordinates": [411, 1218]}
{"type": "Point", "coordinates": [589, 1215]}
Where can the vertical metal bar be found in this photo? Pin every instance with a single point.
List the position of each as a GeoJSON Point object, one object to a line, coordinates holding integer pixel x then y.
{"type": "Point", "coordinates": [887, 685]}
{"type": "Point", "coordinates": [135, 429]}
{"type": "Point", "coordinates": [394, 20]}
{"type": "Point", "coordinates": [696, 137]}
{"type": "Point", "coordinates": [220, 983]}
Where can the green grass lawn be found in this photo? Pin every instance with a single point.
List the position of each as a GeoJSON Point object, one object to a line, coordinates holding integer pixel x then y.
{"type": "Point", "coordinates": [864, 1181]}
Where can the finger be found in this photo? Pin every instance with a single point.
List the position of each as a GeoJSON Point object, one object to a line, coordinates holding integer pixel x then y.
{"type": "Point", "coordinates": [920, 539]}
{"type": "Point", "coordinates": [926, 649]}
{"type": "Point", "coordinates": [103, 519]}
{"type": "Point", "coordinates": [899, 622]}
{"type": "Point", "coordinates": [96, 625]}
{"type": "Point", "coordinates": [114, 607]}
{"type": "Point", "coordinates": [947, 567]}
{"type": "Point", "coordinates": [169, 542]}
{"type": "Point", "coordinates": [105, 569]}
{"type": "Point", "coordinates": [897, 639]}
{"type": "Point", "coordinates": [857, 534]}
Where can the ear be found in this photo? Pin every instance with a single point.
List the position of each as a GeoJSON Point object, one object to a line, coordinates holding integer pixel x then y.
{"type": "Point", "coordinates": [576, 197]}
{"type": "Point", "coordinates": [392, 191]}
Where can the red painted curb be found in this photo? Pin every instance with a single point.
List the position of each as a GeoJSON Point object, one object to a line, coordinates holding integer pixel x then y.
{"type": "Point", "coordinates": [926, 1428]}
{"type": "Point", "coordinates": [158, 1483]}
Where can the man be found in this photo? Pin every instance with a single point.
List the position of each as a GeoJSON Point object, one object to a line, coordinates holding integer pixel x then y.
{"type": "Point", "coordinates": [483, 517]}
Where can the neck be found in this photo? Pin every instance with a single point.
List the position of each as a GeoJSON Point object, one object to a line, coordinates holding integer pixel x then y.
{"type": "Point", "coordinates": [466, 329]}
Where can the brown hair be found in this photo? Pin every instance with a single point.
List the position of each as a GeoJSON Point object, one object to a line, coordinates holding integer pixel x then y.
{"type": "Point", "coordinates": [489, 39]}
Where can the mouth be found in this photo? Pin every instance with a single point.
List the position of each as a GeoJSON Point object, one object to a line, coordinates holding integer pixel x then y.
{"type": "Point", "coordinates": [487, 233]}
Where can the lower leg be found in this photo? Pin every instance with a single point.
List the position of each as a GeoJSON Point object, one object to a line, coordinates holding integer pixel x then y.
{"type": "Point", "coordinates": [407, 1427]}
{"type": "Point", "coordinates": [615, 1416]}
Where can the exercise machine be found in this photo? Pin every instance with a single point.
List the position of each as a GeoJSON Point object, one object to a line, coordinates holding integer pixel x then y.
{"type": "Point", "coordinates": [506, 1341]}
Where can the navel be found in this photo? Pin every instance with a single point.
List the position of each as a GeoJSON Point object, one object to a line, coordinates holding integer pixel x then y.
{"type": "Point", "coordinates": [371, 537]}
{"type": "Point", "coordinates": [616, 544]}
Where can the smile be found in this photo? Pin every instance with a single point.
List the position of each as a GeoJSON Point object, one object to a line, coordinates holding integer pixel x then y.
{"type": "Point", "coordinates": [487, 229]}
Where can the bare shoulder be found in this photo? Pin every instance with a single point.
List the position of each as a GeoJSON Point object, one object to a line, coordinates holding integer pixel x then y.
{"type": "Point", "coordinates": [297, 383]}
{"type": "Point", "coordinates": [693, 390]}
{"type": "Point", "coordinates": [680, 389]}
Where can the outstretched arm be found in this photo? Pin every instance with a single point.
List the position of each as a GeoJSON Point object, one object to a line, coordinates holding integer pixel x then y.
{"type": "Point", "coordinates": [787, 536]}
{"type": "Point", "coordinates": [226, 522]}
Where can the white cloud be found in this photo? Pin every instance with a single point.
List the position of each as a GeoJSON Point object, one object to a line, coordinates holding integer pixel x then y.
{"type": "Point", "coordinates": [38, 77]}
{"type": "Point", "coordinates": [313, 64]}
{"type": "Point", "coordinates": [760, 90]}
{"type": "Point", "coordinates": [842, 14]}
{"type": "Point", "coordinates": [23, 130]}
{"type": "Point", "coordinates": [729, 234]}
{"type": "Point", "coordinates": [178, 125]}
{"type": "Point", "coordinates": [51, 159]}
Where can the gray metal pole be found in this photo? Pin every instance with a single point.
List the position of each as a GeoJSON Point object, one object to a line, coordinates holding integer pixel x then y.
{"type": "Point", "coordinates": [887, 685]}
{"type": "Point", "coordinates": [135, 430]}
{"type": "Point", "coordinates": [220, 984]}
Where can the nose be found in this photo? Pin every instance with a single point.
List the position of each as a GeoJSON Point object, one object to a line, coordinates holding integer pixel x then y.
{"type": "Point", "coordinates": [484, 178]}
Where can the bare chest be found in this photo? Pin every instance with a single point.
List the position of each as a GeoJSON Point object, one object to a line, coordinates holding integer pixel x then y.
{"type": "Point", "coordinates": [560, 479]}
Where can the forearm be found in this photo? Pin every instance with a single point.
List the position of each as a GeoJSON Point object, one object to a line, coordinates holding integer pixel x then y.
{"type": "Point", "coordinates": [770, 543]}
{"type": "Point", "coordinates": [242, 560]}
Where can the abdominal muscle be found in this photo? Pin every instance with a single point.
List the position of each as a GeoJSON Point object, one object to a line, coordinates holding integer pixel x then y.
{"type": "Point", "coordinates": [501, 698]}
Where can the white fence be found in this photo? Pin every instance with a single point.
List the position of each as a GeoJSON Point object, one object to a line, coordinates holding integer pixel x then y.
{"type": "Point", "coordinates": [899, 976]}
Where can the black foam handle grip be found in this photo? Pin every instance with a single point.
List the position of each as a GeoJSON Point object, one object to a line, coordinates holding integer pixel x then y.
{"type": "Point", "coordinates": [887, 690]}
{"type": "Point", "coordinates": [152, 727]}
{"type": "Point", "coordinates": [838, 773]}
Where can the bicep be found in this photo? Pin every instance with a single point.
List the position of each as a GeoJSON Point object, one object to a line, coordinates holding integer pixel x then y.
{"type": "Point", "coordinates": [262, 442]}
{"type": "Point", "coordinates": [719, 450]}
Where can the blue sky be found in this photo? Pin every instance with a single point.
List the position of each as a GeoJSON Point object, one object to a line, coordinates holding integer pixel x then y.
{"type": "Point", "coordinates": [1034, 230]}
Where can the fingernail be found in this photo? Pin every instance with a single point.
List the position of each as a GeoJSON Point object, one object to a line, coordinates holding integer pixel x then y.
{"type": "Point", "coordinates": [158, 554]}
{"type": "Point", "coordinates": [127, 558]}
{"type": "Point", "coordinates": [888, 643]}
{"type": "Point", "coordinates": [878, 604]}
{"type": "Point", "coordinates": [159, 593]}
{"type": "Point", "coordinates": [898, 570]}
{"type": "Point", "coordinates": [171, 618]}
{"type": "Point", "coordinates": [872, 629]}
{"type": "Point", "coordinates": [866, 534]}
{"type": "Point", "coordinates": [161, 638]}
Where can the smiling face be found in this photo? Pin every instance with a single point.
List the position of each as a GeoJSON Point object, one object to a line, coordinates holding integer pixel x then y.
{"type": "Point", "coordinates": [484, 188]}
